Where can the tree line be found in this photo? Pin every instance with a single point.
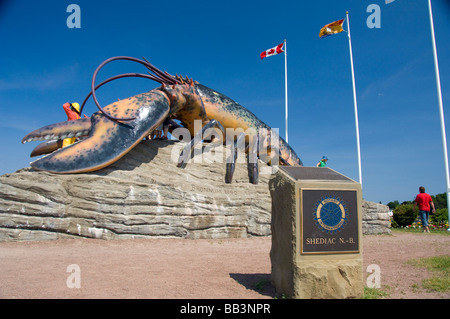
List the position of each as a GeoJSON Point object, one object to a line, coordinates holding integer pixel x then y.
{"type": "Point", "coordinates": [439, 200]}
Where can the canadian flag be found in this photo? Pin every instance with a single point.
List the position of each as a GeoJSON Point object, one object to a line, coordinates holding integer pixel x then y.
{"type": "Point", "coordinates": [273, 51]}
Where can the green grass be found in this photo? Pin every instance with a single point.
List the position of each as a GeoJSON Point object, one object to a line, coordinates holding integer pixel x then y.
{"type": "Point", "coordinates": [440, 266]}
{"type": "Point", "coordinates": [375, 293]}
{"type": "Point", "coordinates": [420, 230]}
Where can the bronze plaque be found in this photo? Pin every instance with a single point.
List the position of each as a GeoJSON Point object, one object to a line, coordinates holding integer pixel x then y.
{"type": "Point", "coordinates": [329, 221]}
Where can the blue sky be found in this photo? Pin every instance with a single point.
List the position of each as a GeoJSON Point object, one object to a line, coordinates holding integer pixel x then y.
{"type": "Point", "coordinates": [44, 64]}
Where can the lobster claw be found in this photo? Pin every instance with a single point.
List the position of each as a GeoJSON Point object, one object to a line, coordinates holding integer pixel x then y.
{"type": "Point", "coordinates": [47, 147]}
{"type": "Point", "coordinates": [54, 133]}
{"type": "Point", "coordinates": [107, 140]}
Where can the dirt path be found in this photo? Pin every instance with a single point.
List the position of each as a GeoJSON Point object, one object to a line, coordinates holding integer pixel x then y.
{"type": "Point", "coordinates": [181, 268]}
{"type": "Point", "coordinates": [391, 254]}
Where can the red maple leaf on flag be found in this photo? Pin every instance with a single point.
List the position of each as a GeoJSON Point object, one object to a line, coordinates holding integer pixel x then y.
{"type": "Point", "coordinates": [273, 51]}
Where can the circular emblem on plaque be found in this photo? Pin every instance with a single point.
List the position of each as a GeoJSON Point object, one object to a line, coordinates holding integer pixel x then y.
{"type": "Point", "coordinates": [330, 214]}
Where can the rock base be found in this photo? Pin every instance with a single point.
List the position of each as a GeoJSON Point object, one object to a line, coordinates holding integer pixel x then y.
{"type": "Point", "coordinates": [142, 195]}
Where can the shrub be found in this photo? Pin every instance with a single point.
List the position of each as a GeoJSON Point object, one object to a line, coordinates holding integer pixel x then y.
{"type": "Point", "coordinates": [404, 215]}
{"type": "Point", "coordinates": [394, 224]}
{"type": "Point", "coordinates": [440, 216]}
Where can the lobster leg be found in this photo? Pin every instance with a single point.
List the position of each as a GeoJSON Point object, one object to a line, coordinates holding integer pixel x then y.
{"type": "Point", "coordinates": [231, 160]}
{"type": "Point", "coordinates": [253, 160]}
{"type": "Point", "coordinates": [186, 154]}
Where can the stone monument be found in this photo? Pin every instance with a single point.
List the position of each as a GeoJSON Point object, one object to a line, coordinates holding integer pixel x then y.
{"type": "Point", "coordinates": [316, 234]}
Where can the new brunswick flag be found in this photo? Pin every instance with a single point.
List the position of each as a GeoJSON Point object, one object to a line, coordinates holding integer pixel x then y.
{"type": "Point", "coordinates": [332, 28]}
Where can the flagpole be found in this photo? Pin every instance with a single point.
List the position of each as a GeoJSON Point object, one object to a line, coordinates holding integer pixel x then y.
{"type": "Point", "coordinates": [354, 101]}
{"type": "Point", "coordinates": [286, 90]}
{"type": "Point", "coordinates": [441, 109]}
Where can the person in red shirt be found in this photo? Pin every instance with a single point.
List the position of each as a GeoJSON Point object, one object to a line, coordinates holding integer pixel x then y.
{"type": "Point", "coordinates": [425, 203]}
{"type": "Point", "coordinates": [73, 113]}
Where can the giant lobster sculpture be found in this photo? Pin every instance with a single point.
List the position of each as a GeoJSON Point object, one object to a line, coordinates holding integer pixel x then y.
{"type": "Point", "coordinates": [113, 131]}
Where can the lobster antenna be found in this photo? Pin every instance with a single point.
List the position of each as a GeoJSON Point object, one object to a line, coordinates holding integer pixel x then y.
{"type": "Point", "coordinates": [161, 77]}
{"type": "Point", "coordinates": [125, 75]}
{"type": "Point", "coordinates": [166, 77]}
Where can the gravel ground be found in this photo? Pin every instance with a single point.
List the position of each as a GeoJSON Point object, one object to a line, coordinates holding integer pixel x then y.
{"type": "Point", "coordinates": [189, 269]}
